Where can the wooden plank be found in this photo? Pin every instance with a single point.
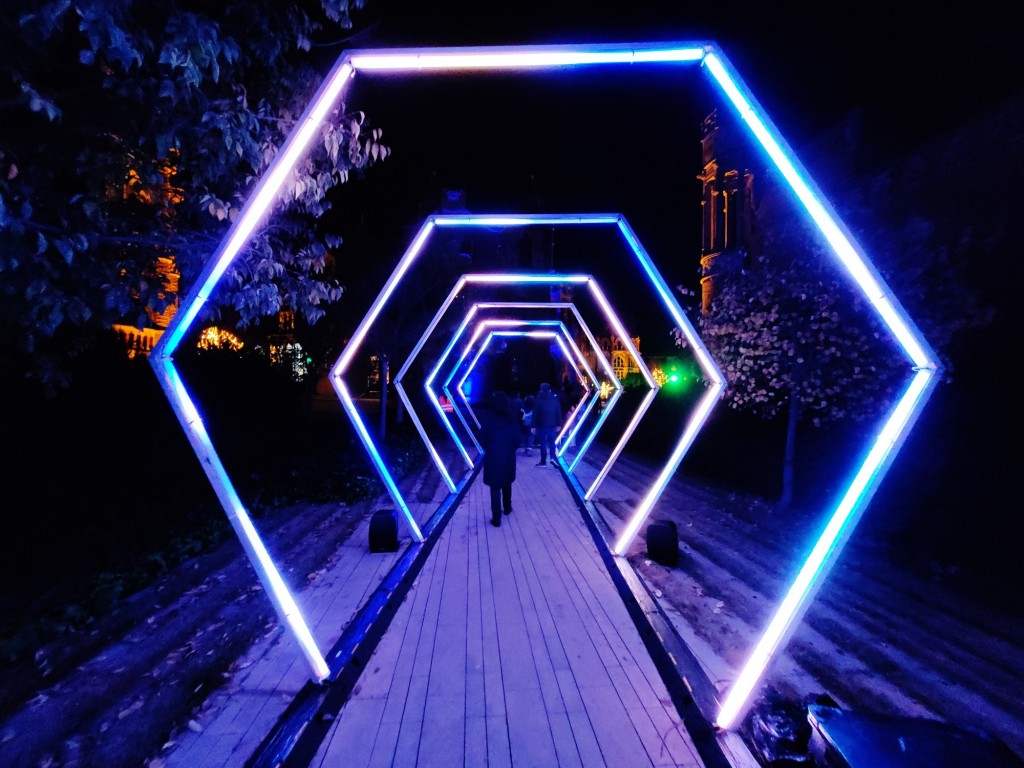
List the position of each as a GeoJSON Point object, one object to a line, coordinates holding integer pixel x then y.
{"type": "Point", "coordinates": [476, 698]}
{"type": "Point", "coordinates": [476, 740]}
{"type": "Point", "coordinates": [620, 744]}
{"type": "Point", "coordinates": [499, 751]}
{"type": "Point", "coordinates": [357, 732]}
{"type": "Point", "coordinates": [383, 754]}
{"type": "Point", "coordinates": [443, 737]}
{"type": "Point", "coordinates": [529, 732]}
{"type": "Point", "coordinates": [566, 751]}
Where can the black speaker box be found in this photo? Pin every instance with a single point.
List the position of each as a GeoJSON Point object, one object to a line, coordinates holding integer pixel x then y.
{"type": "Point", "coordinates": [383, 531]}
{"type": "Point", "coordinates": [663, 542]}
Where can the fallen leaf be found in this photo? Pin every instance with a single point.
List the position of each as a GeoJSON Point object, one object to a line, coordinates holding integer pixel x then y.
{"type": "Point", "coordinates": [135, 707]}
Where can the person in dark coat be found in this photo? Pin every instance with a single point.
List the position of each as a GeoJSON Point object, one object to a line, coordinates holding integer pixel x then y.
{"type": "Point", "coordinates": [499, 437]}
{"type": "Point", "coordinates": [547, 417]}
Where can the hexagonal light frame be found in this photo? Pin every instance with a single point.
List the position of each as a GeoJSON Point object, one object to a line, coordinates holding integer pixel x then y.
{"type": "Point", "coordinates": [453, 294]}
{"type": "Point", "coordinates": [923, 366]}
{"type": "Point", "coordinates": [433, 397]}
{"type": "Point", "coordinates": [568, 342]}
{"type": "Point", "coordinates": [483, 327]}
{"type": "Point", "coordinates": [610, 373]}
{"type": "Point", "coordinates": [708, 367]}
{"type": "Point", "coordinates": [475, 340]}
{"type": "Point", "coordinates": [598, 356]}
{"type": "Point", "coordinates": [529, 334]}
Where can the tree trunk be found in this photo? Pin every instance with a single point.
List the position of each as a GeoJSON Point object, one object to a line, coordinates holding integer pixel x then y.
{"type": "Point", "coordinates": [383, 397]}
{"type": "Point", "coordinates": [789, 451]}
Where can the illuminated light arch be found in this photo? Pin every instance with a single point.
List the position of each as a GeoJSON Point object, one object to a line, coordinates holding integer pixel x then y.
{"type": "Point", "coordinates": [923, 365]}
{"type": "Point", "coordinates": [563, 345]}
{"type": "Point", "coordinates": [433, 397]}
{"type": "Point", "coordinates": [499, 279]}
{"type": "Point", "coordinates": [712, 375]}
{"type": "Point", "coordinates": [428, 383]}
{"type": "Point", "coordinates": [711, 372]}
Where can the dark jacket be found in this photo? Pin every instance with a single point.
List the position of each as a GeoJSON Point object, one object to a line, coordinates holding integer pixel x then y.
{"type": "Point", "coordinates": [499, 437]}
{"type": "Point", "coordinates": [547, 410]}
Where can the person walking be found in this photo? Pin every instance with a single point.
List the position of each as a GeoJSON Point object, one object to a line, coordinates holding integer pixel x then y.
{"type": "Point", "coordinates": [547, 416]}
{"type": "Point", "coordinates": [499, 437]}
{"type": "Point", "coordinates": [526, 426]}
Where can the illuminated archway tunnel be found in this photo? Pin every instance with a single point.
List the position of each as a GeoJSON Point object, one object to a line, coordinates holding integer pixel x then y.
{"type": "Point", "coordinates": [464, 366]}
{"type": "Point", "coordinates": [506, 308]}
{"type": "Point", "coordinates": [868, 468]}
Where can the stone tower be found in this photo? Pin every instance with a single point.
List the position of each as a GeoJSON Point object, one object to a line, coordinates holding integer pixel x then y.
{"type": "Point", "coordinates": [727, 206]}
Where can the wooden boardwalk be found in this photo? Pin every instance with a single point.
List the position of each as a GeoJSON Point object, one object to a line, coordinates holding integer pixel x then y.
{"type": "Point", "coordinates": [512, 646]}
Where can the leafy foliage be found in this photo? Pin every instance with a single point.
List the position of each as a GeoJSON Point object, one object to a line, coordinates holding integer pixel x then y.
{"type": "Point", "coordinates": [786, 332]}
{"type": "Point", "coordinates": [787, 328]}
{"type": "Point", "coordinates": [134, 132]}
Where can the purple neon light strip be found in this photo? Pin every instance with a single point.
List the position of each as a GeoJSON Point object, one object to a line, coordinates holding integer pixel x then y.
{"type": "Point", "coordinates": [523, 57]}
{"type": "Point", "coordinates": [265, 193]}
{"type": "Point", "coordinates": [573, 419]}
{"type": "Point", "coordinates": [364, 436]}
{"type": "Point", "coordinates": [433, 398]}
{"type": "Point", "coordinates": [461, 395]}
{"type": "Point", "coordinates": [456, 289]}
{"type": "Point", "coordinates": [645, 403]}
{"type": "Point", "coordinates": [922, 359]}
{"type": "Point", "coordinates": [711, 373]}
{"type": "Point", "coordinates": [280, 596]}
{"type": "Point", "coordinates": [337, 378]}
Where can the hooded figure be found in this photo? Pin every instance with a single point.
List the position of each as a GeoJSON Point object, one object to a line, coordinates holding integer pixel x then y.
{"type": "Point", "coordinates": [547, 416]}
{"type": "Point", "coordinates": [499, 437]}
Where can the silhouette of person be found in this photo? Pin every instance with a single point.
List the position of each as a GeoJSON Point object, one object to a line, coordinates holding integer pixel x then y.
{"type": "Point", "coordinates": [499, 437]}
{"type": "Point", "coordinates": [547, 416]}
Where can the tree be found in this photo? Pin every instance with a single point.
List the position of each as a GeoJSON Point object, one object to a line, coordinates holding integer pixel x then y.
{"type": "Point", "coordinates": [134, 133]}
{"type": "Point", "coordinates": [793, 338]}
